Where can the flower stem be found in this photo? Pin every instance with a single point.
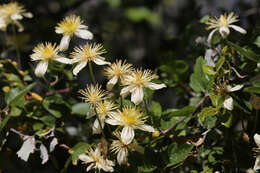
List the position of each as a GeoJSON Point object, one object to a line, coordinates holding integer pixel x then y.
{"type": "Point", "coordinates": [16, 48]}
{"type": "Point", "coordinates": [91, 72]}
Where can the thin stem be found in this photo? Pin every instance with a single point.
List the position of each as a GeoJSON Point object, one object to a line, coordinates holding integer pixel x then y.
{"type": "Point", "coordinates": [16, 48]}
{"type": "Point", "coordinates": [91, 72]}
{"type": "Point", "coordinates": [100, 124]}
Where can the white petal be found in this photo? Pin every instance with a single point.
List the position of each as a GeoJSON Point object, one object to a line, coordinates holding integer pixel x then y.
{"type": "Point", "coordinates": [122, 156]}
{"type": "Point", "coordinates": [224, 31]}
{"type": "Point", "coordinates": [85, 158]}
{"type": "Point", "coordinates": [79, 67]}
{"type": "Point", "coordinates": [155, 86]}
{"type": "Point", "coordinates": [28, 15]}
{"type": "Point", "coordinates": [92, 165]}
{"type": "Point", "coordinates": [84, 34]}
{"type": "Point", "coordinates": [127, 135]}
{"type": "Point", "coordinates": [208, 57]}
{"type": "Point", "coordinates": [137, 96]}
{"type": "Point", "coordinates": [53, 143]}
{"type": "Point", "coordinates": [228, 104]}
{"type": "Point", "coordinates": [27, 148]}
{"type": "Point", "coordinates": [235, 88]}
{"type": "Point", "coordinates": [83, 27]}
{"type": "Point", "coordinates": [99, 61]}
{"type": "Point", "coordinates": [112, 122]}
{"type": "Point", "coordinates": [19, 25]}
{"type": "Point", "coordinates": [59, 31]}
{"type": "Point", "coordinates": [211, 35]}
{"type": "Point", "coordinates": [96, 127]}
{"type": "Point", "coordinates": [257, 163]}
{"type": "Point", "coordinates": [238, 29]}
{"type": "Point", "coordinates": [125, 91]}
{"type": "Point", "coordinates": [44, 154]}
{"type": "Point", "coordinates": [64, 43]}
{"type": "Point", "coordinates": [16, 17]}
{"type": "Point", "coordinates": [257, 139]}
{"type": "Point", "coordinates": [41, 68]}
{"type": "Point", "coordinates": [112, 82]}
{"type": "Point", "coordinates": [147, 128]}
{"type": "Point", "coordinates": [62, 59]}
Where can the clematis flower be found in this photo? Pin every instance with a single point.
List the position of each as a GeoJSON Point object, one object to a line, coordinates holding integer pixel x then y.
{"type": "Point", "coordinates": [129, 119]}
{"type": "Point", "coordinates": [136, 81]}
{"type": "Point", "coordinates": [228, 103]}
{"type": "Point", "coordinates": [11, 13]}
{"type": "Point", "coordinates": [257, 161]}
{"type": "Point", "coordinates": [223, 24]}
{"type": "Point", "coordinates": [103, 109]}
{"type": "Point", "coordinates": [44, 53]}
{"type": "Point", "coordinates": [86, 54]}
{"type": "Point", "coordinates": [69, 26]}
{"type": "Point", "coordinates": [93, 94]}
{"type": "Point", "coordinates": [116, 71]}
{"type": "Point", "coordinates": [96, 160]}
{"type": "Point", "coordinates": [121, 149]}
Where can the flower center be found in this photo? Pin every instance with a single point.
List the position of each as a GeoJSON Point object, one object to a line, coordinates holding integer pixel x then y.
{"type": "Point", "coordinates": [223, 21]}
{"type": "Point", "coordinates": [47, 53]}
{"type": "Point", "coordinates": [130, 117]}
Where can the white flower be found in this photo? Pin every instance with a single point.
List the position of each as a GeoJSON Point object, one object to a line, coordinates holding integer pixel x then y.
{"type": "Point", "coordinates": [96, 160]}
{"type": "Point", "coordinates": [121, 149]}
{"type": "Point", "coordinates": [223, 24]}
{"type": "Point", "coordinates": [86, 54]}
{"type": "Point", "coordinates": [136, 81]}
{"type": "Point", "coordinates": [130, 119]}
{"type": "Point", "coordinates": [103, 109]}
{"type": "Point", "coordinates": [27, 148]}
{"type": "Point", "coordinates": [72, 25]}
{"type": "Point", "coordinates": [11, 13]}
{"type": "Point", "coordinates": [116, 71]}
{"type": "Point", "coordinates": [228, 103]}
{"type": "Point", "coordinates": [44, 53]}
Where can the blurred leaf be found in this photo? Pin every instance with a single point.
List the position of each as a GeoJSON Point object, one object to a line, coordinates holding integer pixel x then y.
{"type": "Point", "coordinates": [178, 153]}
{"type": "Point", "coordinates": [245, 52]}
{"type": "Point", "coordinates": [156, 109]}
{"type": "Point", "coordinates": [199, 81]}
{"type": "Point", "coordinates": [210, 121]}
{"type": "Point", "coordinates": [216, 100]}
{"type": "Point", "coordinates": [220, 63]}
{"type": "Point", "coordinates": [255, 90]}
{"type": "Point", "coordinates": [15, 112]}
{"type": "Point", "coordinates": [257, 41]}
{"type": "Point", "coordinates": [79, 149]}
{"type": "Point", "coordinates": [48, 120]}
{"type": "Point", "coordinates": [207, 112]}
{"type": "Point", "coordinates": [142, 13]}
{"type": "Point", "coordinates": [204, 19]}
{"type": "Point", "coordinates": [81, 109]}
{"type": "Point", "coordinates": [185, 111]}
{"type": "Point", "coordinates": [208, 69]}
{"type": "Point", "coordinates": [15, 95]}
{"type": "Point", "coordinates": [114, 3]}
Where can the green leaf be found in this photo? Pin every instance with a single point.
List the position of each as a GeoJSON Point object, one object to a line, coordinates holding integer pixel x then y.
{"type": "Point", "coordinates": [15, 112]}
{"type": "Point", "coordinates": [185, 111]}
{"type": "Point", "coordinates": [156, 109]}
{"type": "Point", "coordinates": [245, 52]}
{"type": "Point", "coordinates": [207, 112]}
{"type": "Point", "coordinates": [200, 81]}
{"type": "Point", "coordinates": [48, 120]}
{"type": "Point", "coordinates": [208, 69]}
{"type": "Point", "coordinates": [55, 105]}
{"type": "Point", "coordinates": [81, 109]}
{"type": "Point", "coordinates": [204, 19]}
{"type": "Point", "coordinates": [254, 89]}
{"type": "Point", "coordinates": [216, 100]}
{"type": "Point", "coordinates": [79, 149]}
{"type": "Point", "coordinates": [13, 96]}
{"type": "Point", "coordinates": [142, 13]}
{"type": "Point", "coordinates": [257, 41]}
{"type": "Point", "coordinates": [220, 63]}
{"type": "Point", "coordinates": [178, 153]}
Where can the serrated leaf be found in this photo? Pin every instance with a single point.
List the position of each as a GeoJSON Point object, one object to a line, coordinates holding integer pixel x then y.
{"type": "Point", "coordinates": [178, 153]}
